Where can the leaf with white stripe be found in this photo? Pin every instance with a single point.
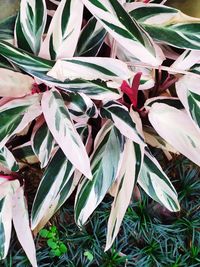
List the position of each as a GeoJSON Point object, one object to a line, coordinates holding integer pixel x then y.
{"type": "Point", "coordinates": [24, 154]}
{"type": "Point", "coordinates": [5, 224]}
{"type": "Point", "coordinates": [186, 60]}
{"type": "Point", "coordinates": [64, 30]}
{"type": "Point", "coordinates": [176, 127]}
{"type": "Point", "coordinates": [30, 25]}
{"type": "Point", "coordinates": [156, 184]}
{"type": "Point", "coordinates": [62, 128]}
{"type": "Point", "coordinates": [125, 30]}
{"type": "Point", "coordinates": [80, 106]}
{"type": "Point", "coordinates": [128, 175]}
{"type": "Point", "coordinates": [91, 39]}
{"type": "Point", "coordinates": [90, 68]}
{"type": "Point", "coordinates": [187, 89]}
{"type": "Point", "coordinates": [21, 224]}
{"type": "Point", "coordinates": [39, 67]}
{"type": "Point", "coordinates": [7, 159]}
{"type": "Point", "coordinates": [120, 115]}
{"type": "Point", "coordinates": [7, 28]}
{"type": "Point", "coordinates": [167, 25]}
{"type": "Point", "coordinates": [42, 142]}
{"type": "Point", "coordinates": [56, 175]}
{"type": "Point", "coordinates": [15, 115]}
{"type": "Point", "coordinates": [105, 163]}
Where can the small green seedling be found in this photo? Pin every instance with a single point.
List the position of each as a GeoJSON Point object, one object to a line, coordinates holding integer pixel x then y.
{"type": "Point", "coordinates": [88, 255]}
{"type": "Point", "coordinates": [58, 248]}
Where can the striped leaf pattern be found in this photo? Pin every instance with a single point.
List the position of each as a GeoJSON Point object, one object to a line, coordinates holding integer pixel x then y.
{"type": "Point", "coordinates": [156, 184]}
{"type": "Point", "coordinates": [64, 30]}
{"type": "Point", "coordinates": [15, 115]}
{"type": "Point", "coordinates": [187, 89]}
{"type": "Point", "coordinates": [24, 154]}
{"type": "Point", "coordinates": [119, 114]}
{"type": "Point", "coordinates": [5, 224]}
{"type": "Point", "coordinates": [58, 182]}
{"type": "Point", "coordinates": [42, 142]}
{"type": "Point", "coordinates": [125, 30]}
{"type": "Point", "coordinates": [167, 25]}
{"type": "Point", "coordinates": [30, 25]}
{"type": "Point", "coordinates": [39, 67]}
{"type": "Point", "coordinates": [56, 176]}
{"type": "Point", "coordinates": [169, 123]}
{"type": "Point", "coordinates": [90, 68]}
{"type": "Point", "coordinates": [7, 159]}
{"type": "Point", "coordinates": [91, 39]}
{"type": "Point", "coordinates": [106, 161]}
{"type": "Point", "coordinates": [81, 107]}
{"type": "Point", "coordinates": [128, 175]}
{"type": "Point", "coordinates": [62, 128]}
{"type": "Point", "coordinates": [7, 28]}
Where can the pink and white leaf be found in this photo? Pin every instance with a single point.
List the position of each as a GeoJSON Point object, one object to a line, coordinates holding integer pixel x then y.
{"type": "Point", "coordinates": [62, 128]}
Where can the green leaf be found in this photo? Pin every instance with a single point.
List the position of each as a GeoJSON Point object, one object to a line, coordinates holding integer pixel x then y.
{"type": "Point", "coordinates": [125, 30]}
{"type": "Point", "coordinates": [105, 163]}
{"type": "Point", "coordinates": [52, 244]}
{"type": "Point", "coordinates": [88, 255]}
{"type": "Point", "coordinates": [167, 25]}
{"type": "Point", "coordinates": [30, 25]}
{"type": "Point", "coordinates": [91, 39]}
{"type": "Point", "coordinates": [156, 183]}
{"type": "Point", "coordinates": [44, 233]}
{"type": "Point", "coordinates": [63, 248]}
{"type": "Point", "coordinates": [7, 28]}
{"type": "Point", "coordinates": [7, 159]}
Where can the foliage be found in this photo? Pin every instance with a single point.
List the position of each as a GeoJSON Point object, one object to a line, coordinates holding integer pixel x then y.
{"type": "Point", "coordinates": [98, 90]}
{"type": "Point", "coordinates": [150, 235]}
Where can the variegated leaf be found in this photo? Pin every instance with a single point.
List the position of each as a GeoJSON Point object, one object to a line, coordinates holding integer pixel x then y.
{"type": "Point", "coordinates": [170, 123]}
{"type": "Point", "coordinates": [5, 224]}
{"type": "Point", "coordinates": [120, 115]}
{"type": "Point", "coordinates": [39, 67]}
{"type": "Point", "coordinates": [64, 30]}
{"type": "Point", "coordinates": [42, 142]}
{"type": "Point", "coordinates": [80, 107]}
{"type": "Point", "coordinates": [24, 154]}
{"type": "Point", "coordinates": [57, 174]}
{"type": "Point", "coordinates": [14, 84]}
{"type": "Point", "coordinates": [7, 159]}
{"type": "Point", "coordinates": [195, 69]}
{"type": "Point", "coordinates": [186, 60]}
{"type": "Point", "coordinates": [21, 224]}
{"type": "Point", "coordinates": [188, 91]}
{"type": "Point", "coordinates": [56, 188]}
{"type": "Point", "coordinates": [105, 163]}
{"type": "Point", "coordinates": [90, 68]}
{"type": "Point", "coordinates": [61, 126]}
{"type": "Point", "coordinates": [128, 175]}
{"type": "Point", "coordinates": [30, 25]}
{"type": "Point", "coordinates": [91, 39]}
{"type": "Point", "coordinates": [156, 183]}
{"type": "Point", "coordinates": [171, 101]}
{"type": "Point", "coordinates": [7, 28]}
{"type": "Point", "coordinates": [125, 30]}
{"type": "Point", "coordinates": [167, 25]}
{"type": "Point", "coordinates": [15, 115]}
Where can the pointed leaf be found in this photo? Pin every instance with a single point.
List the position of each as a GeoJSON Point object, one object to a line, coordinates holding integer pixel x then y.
{"type": "Point", "coordinates": [167, 25]}
{"type": "Point", "coordinates": [128, 175]}
{"type": "Point", "coordinates": [156, 183]}
{"type": "Point", "coordinates": [125, 30]}
{"type": "Point", "coordinates": [21, 224]}
{"type": "Point", "coordinates": [91, 39]}
{"type": "Point", "coordinates": [7, 159]}
{"type": "Point", "coordinates": [119, 114]}
{"type": "Point", "coordinates": [64, 30]}
{"type": "Point", "coordinates": [30, 25]}
{"type": "Point", "coordinates": [105, 162]}
{"type": "Point", "coordinates": [42, 142]}
{"type": "Point", "coordinates": [15, 115]}
{"type": "Point", "coordinates": [61, 126]}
